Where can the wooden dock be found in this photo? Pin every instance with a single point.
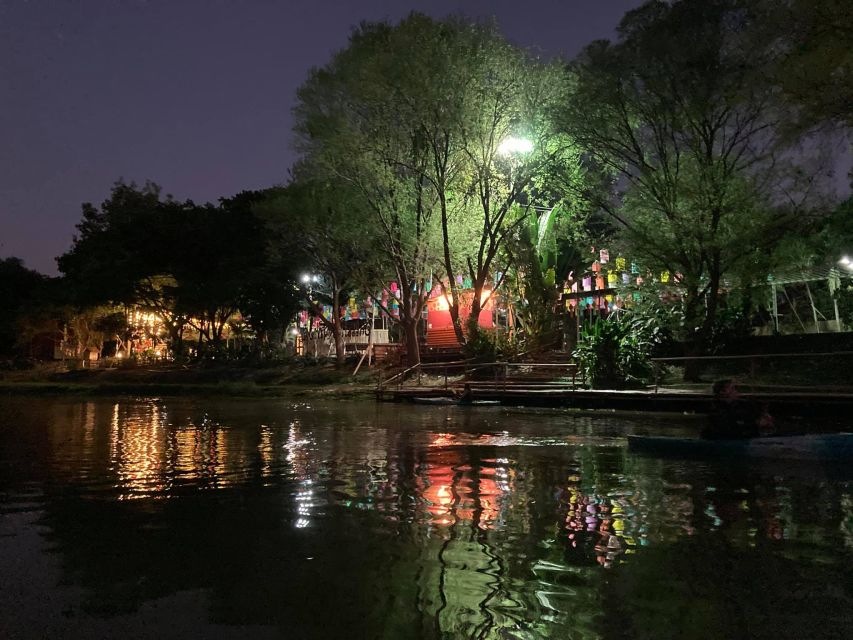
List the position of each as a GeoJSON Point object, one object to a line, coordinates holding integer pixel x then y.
{"type": "Point", "coordinates": [556, 381]}
{"type": "Point", "coordinates": [799, 404]}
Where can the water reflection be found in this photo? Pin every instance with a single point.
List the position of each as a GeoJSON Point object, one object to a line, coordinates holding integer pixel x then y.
{"type": "Point", "coordinates": [391, 522]}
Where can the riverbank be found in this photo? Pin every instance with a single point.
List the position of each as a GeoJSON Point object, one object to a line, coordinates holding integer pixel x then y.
{"type": "Point", "coordinates": [323, 380]}
{"type": "Point", "coordinates": [177, 380]}
{"type": "Point", "coordinates": [783, 405]}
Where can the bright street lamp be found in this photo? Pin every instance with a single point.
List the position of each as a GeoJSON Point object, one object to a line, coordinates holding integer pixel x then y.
{"type": "Point", "coordinates": [515, 146]}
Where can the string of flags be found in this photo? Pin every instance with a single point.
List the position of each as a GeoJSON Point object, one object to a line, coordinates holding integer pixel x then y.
{"type": "Point", "coordinates": [604, 283]}
{"type": "Point", "coordinates": [603, 278]}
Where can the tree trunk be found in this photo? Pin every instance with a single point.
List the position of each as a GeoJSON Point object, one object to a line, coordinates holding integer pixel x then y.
{"type": "Point", "coordinates": [198, 347]}
{"type": "Point", "coordinates": [217, 327]}
{"type": "Point", "coordinates": [448, 267]}
{"type": "Point", "coordinates": [476, 308]}
{"type": "Point", "coordinates": [175, 339]}
{"type": "Point", "coordinates": [337, 333]}
{"type": "Point", "coordinates": [701, 338]}
{"type": "Point", "coordinates": [454, 317]}
{"type": "Point", "coordinates": [337, 324]}
{"type": "Point", "coordinates": [413, 347]}
{"type": "Point", "coordinates": [694, 347]}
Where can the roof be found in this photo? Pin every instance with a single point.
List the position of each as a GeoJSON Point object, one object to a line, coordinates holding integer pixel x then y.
{"type": "Point", "coordinates": [810, 274]}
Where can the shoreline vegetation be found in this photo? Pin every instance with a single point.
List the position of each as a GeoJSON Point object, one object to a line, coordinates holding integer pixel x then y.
{"type": "Point", "coordinates": [314, 380]}
{"type": "Point", "coordinates": [278, 380]}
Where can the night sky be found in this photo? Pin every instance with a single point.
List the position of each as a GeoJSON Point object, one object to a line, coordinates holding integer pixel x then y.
{"type": "Point", "coordinates": [195, 95]}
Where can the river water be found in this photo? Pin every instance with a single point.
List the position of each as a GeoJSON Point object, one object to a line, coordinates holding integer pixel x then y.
{"type": "Point", "coordinates": [226, 518]}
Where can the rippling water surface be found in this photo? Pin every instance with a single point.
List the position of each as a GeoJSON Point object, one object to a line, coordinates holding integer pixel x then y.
{"type": "Point", "coordinates": [332, 519]}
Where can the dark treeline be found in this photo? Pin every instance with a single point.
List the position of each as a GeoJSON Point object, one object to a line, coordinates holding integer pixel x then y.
{"type": "Point", "coordinates": [434, 152]}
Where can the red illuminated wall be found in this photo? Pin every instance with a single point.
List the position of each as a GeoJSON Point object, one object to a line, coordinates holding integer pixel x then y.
{"type": "Point", "coordinates": [440, 325]}
{"type": "Point", "coordinates": [440, 319]}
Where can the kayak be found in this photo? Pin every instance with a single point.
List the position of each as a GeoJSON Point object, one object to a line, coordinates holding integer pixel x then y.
{"type": "Point", "coordinates": [825, 447]}
{"type": "Point", "coordinates": [445, 400]}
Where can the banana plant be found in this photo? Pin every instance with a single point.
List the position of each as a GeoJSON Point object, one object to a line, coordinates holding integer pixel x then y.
{"type": "Point", "coordinates": [535, 253]}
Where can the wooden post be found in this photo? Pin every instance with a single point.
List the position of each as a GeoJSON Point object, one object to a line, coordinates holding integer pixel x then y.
{"type": "Point", "coordinates": [363, 355]}
{"type": "Point", "coordinates": [814, 310]}
{"type": "Point", "coordinates": [370, 335]}
{"type": "Point", "coordinates": [775, 307]}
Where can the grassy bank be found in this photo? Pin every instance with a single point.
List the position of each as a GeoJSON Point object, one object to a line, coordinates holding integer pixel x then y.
{"type": "Point", "coordinates": [161, 380]}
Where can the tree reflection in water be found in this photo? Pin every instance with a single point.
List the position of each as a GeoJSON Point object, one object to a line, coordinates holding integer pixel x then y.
{"type": "Point", "coordinates": [368, 521]}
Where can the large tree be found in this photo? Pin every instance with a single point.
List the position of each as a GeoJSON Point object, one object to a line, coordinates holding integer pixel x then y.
{"type": "Point", "coordinates": [323, 225]}
{"type": "Point", "coordinates": [19, 286]}
{"type": "Point", "coordinates": [809, 44]}
{"type": "Point", "coordinates": [422, 117]}
{"type": "Point", "coordinates": [480, 105]}
{"type": "Point", "coordinates": [677, 110]}
{"type": "Point", "coordinates": [350, 132]}
{"type": "Point", "coordinates": [190, 264]}
{"type": "Point", "coordinates": [123, 251]}
{"type": "Point", "coordinates": [223, 255]}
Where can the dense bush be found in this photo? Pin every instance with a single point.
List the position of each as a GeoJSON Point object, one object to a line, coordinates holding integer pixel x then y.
{"type": "Point", "coordinates": [487, 345]}
{"type": "Point", "coordinates": [615, 353]}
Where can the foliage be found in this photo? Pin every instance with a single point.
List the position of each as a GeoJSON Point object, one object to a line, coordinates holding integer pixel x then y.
{"type": "Point", "coordinates": [322, 225]}
{"type": "Point", "coordinates": [192, 265]}
{"type": "Point", "coordinates": [819, 251]}
{"type": "Point", "coordinates": [19, 288]}
{"type": "Point", "coordinates": [413, 116]}
{"type": "Point", "coordinates": [352, 130]}
{"type": "Point", "coordinates": [811, 44]}
{"type": "Point", "coordinates": [90, 327]}
{"type": "Point", "coordinates": [678, 111]}
{"type": "Point", "coordinates": [534, 251]}
{"type": "Point", "coordinates": [614, 352]}
{"type": "Point", "coordinates": [837, 236]}
{"type": "Point", "coordinates": [489, 345]}
{"type": "Point", "coordinates": [661, 308]}
{"type": "Point", "coordinates": [502, 94]}
{"type": "Point", "coordinates": [681, 135]}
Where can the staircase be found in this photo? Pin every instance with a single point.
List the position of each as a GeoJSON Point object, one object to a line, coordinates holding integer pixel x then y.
{"type": "Point", "coordinates": [445, 337]}
{"type": "Point", "coordinates": [441, 346]}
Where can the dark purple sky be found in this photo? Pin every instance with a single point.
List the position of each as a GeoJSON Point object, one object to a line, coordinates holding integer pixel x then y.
{"type": "Point", "coordinates": [194, 95]}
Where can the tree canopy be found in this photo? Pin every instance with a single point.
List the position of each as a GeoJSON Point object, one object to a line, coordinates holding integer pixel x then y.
{"type": "Point", "coordinates": [438, 158]}
{"type": "Point", "coordinates": [678, 112]}
{"type": "Point", "coordinates": [190, 264]}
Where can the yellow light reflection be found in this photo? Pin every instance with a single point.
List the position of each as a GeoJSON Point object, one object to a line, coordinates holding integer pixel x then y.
{"type": "Point", "coordinates": [137, 448]}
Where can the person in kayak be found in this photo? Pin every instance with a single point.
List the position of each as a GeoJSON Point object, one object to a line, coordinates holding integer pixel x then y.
{"type": "Point", "coordinates": [732, 416]}
{"type": "Point", "coordinates": [467, 396]}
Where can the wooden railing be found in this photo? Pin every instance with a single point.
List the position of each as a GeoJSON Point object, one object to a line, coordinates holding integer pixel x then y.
{"type": "Point", "coordinates": [752, 379]}
{"type": "Point", "coordinates": [468, 366]}
{"type": "Point", "coordinates": [499, 374]}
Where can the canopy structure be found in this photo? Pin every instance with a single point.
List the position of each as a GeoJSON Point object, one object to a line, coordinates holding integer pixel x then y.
{"type": "Point", "coordinates": [831, 275]}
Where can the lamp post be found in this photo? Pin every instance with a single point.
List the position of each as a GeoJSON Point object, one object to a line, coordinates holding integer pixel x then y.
{"type": "Point", "coordinates": [515, 146]}
{"type": "Point", "coordinates": [512, 148]}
